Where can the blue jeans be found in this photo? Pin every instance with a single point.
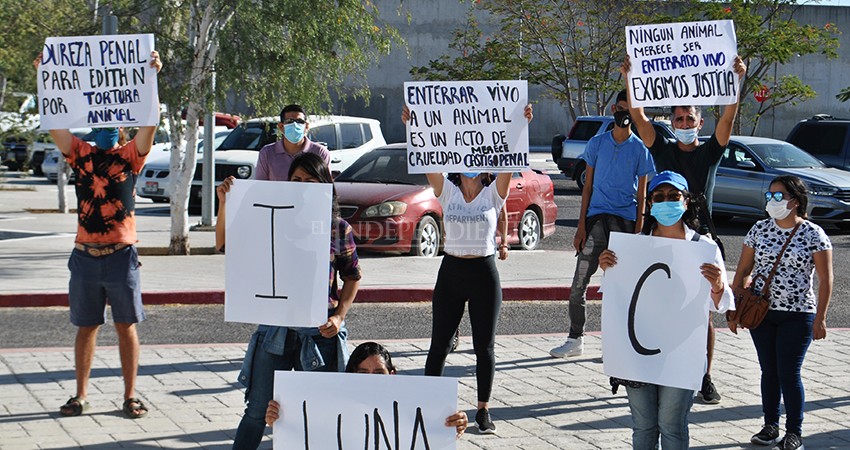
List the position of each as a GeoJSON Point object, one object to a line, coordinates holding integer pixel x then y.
{"type": "Point", "coordinates": [253, 424]}
{"type": "Point", "coordinates": [781, 341]}
{"type": "Point", "coordinates": [660, 411]}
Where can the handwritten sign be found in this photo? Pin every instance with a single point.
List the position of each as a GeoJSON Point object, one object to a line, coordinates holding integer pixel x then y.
{"type": "Point", "coordinates": [466, 126]}
{"type": "Point", "coordinates": [345, 410]}
{"type": "Point", "coordinates": [655, 310]}
{"type": "Point", "coordinates": [97, 81]}
{"type": "Point", "coordinates": [686, 63]}
{"type": "Point", "coordinates": [278, 253]}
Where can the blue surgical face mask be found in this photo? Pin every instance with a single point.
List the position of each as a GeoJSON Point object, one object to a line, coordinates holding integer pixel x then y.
{"type": "Point", "coordinates": [294, 132]}
{"type": "Point", "coordinates": [106, 138]}
{"type": "Point", "coordinates": [668, 213]}
{"type": "Point", "coordinates": [469, 174]}
{"type": "Point", "coordinates": [686, 136]}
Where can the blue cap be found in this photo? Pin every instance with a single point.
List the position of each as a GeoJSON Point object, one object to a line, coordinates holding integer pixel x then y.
{"type": "Point", "coordinates": [669, 177]}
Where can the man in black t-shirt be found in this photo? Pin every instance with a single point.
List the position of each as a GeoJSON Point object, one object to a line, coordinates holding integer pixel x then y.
{"type": "Point", "coordinates": [697, 163]}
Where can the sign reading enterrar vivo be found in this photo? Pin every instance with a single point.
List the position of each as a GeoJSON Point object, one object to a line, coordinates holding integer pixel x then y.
{"type": "Point", "coordinates": [655, 310]}
{"type": "Point", "coordinates": [97, 81]}
{"type": "Point", "coordinates": [685, 63]}
{"type": "Point", "coordinates": [466, 126]}
{"type": "Point", "coordinates": [278, 253]}
{"type": "Point", "coordinates": [351, 410]}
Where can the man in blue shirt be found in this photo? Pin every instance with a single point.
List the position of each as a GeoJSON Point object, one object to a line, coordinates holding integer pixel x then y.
{"type": "Point", "coordinates": [613, 199]}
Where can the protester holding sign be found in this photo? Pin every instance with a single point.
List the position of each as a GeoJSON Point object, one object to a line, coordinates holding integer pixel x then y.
{"type": "Point", "coordinates": [471, 205]}
{"type": "Point", "coordinates": [698, 163]}
{"type": "Point", "coordinates": [663, 410]}
{"type": "Point", "coordinates": [271, 348]}
{"type": "Point", "coordinates": [106, 238]}
{"type": "Point", "coordinates": [795, 315]}
{"type": "Point", "coordinates": [373, 358]}
{"type": "Point", "coordinates": [613, 199]}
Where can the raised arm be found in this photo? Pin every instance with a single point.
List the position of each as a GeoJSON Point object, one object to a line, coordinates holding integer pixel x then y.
{"type": "Point", "coordinates": [642, 123]}
{"type": "Point", "coordinates": [723, 132]}
{"type": "Point", "coordinates": [221, 192]}
{"type": "Point", "coordinates": [145, 136]}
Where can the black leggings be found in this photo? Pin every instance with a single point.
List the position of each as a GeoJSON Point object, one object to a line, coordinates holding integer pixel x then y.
{"type": "Point", "coordinates": [459, 280]}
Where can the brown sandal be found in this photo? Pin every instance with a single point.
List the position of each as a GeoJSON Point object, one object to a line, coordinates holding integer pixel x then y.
{"type": "Point", "coordinates": [75, 406]}
{"type": "Point", "coordinates": [134, 408]}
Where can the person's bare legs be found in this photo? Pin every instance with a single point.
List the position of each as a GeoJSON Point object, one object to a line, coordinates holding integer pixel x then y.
{"type": "Point", "coordinates": [128, 349]}
{"type": "Point", "coordinates": [84, 346]}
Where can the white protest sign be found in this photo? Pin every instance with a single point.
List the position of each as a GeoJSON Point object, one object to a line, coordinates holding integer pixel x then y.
{"type": "Point", "coordinates": [352, 410]}
{"type": "Point", "coordinates": [655, 310]}
{"type": "Point", "coordinates": [97, 81]}
{"type": "Point", "coordinates": [686, 63]}
{"type": "Point", "coordinates": [466, 126]}
{"type": "Point", "coordinates": [277, 259]}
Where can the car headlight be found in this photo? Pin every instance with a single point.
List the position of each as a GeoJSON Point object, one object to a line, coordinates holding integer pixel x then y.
{"type": "Point", "coordinates": [243, 172]}
{"type": "Point", "coordinates": [821, 189]}
{"type": "Point", "coordinates": [386, 209]}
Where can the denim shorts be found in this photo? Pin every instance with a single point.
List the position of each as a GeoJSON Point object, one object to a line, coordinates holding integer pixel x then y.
{"type": "Point", "coordinates": [97, 280]}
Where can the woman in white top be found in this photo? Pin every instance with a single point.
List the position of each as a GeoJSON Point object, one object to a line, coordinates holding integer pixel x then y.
{"type": "Point", "coordinates": [471, 205]}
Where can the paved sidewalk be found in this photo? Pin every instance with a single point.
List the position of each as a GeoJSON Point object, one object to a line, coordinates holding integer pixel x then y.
{"type": "Point", "coordinates": [538, 402]}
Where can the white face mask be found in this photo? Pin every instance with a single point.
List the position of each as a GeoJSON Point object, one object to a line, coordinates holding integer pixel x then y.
{"type": "Point", "coordinates": [686, 136]}
{"type": "Point", "coordinates": [777, 210]}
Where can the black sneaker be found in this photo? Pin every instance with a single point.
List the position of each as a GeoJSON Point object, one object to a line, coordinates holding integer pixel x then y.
{"type": "Point", "coordinates": [708, 394]}
{"type": "Point", "coordinates": [768, 435]}
{"type": "Point", "coordinates": [791, 441]}
{"type": "Point", "coordinates": [485, 425]}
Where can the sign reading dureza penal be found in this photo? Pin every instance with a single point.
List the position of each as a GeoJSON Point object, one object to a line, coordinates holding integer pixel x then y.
{"type": "Point", "coordinates": [466, 126]}
{"type": "Point", "coordinates": [97, 81]}
{"type": "Point", "coordinates": [687, 63]}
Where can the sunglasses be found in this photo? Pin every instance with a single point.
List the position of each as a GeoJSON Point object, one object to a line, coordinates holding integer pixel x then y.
{"type": "Point", "coordinates": [671, 196]}
{"type": "Point", "coordinates": [776, 196]}
{"type": "Point", "coordinates": [106, 130]}
{"type": "Point", "coordinates": [298, 121]}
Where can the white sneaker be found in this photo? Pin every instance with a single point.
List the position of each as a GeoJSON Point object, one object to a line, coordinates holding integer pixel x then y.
{"type": "Point", "coordinates": [572, 347]}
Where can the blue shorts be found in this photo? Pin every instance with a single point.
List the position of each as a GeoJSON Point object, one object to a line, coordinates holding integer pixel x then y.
{"type": "Point", "coordinates": [96, 280]}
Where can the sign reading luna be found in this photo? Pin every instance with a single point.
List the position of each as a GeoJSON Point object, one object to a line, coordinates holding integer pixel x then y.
{"type": "Point", "coordinates": [466, 126]}
{"type": "Point", "coordinates": [97, 81]}
{"type": "Point", "coordinates": [686, 63]}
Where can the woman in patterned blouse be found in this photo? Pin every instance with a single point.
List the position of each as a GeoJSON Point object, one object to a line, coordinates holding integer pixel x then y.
{"type": "Point", "coordinates": [796, 315]}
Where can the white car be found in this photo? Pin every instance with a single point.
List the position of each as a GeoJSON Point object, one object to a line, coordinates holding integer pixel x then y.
{"type": "Point", "coordinates": [154, 181]}
{"type": "Point", "coordinates": [50, 163]}
{"type": "Point", "coordinates": [346, 137]}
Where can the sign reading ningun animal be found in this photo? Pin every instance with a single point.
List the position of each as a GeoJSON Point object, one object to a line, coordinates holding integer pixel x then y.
{"type": "Point", "coordinates": [655, 310]}
{"type": "Point", "coordinates": [466, 126]}
{"type": "Point", "coordinates": [331, 411]}
{"type": "Point", "coordinates": [277, 263]}
{"type": "Point", "coordinates": [685, 63]}
{"type": "Point", "coordinates": [97, 81]}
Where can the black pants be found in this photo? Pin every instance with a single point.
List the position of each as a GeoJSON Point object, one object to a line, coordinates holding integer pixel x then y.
{"type": "Point", "coordinates": [459, 280]}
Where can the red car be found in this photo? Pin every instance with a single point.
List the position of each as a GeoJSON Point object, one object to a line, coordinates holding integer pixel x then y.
{"type": "Point", "coordinates": [393, 211]}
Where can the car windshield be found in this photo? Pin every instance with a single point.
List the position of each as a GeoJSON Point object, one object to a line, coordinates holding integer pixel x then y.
{"type": "Point", "coordinates": [382, 166]}
{"type": "Point", "coordinates": [782, 155]}
{"type": "Point", "coordinates": [250, 136]}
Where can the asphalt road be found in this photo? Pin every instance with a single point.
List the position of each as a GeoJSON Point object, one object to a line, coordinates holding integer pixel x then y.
{"type": "Point", "coordinates": [49, 327]}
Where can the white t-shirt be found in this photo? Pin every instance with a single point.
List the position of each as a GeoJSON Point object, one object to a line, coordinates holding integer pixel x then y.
{"type": "Point", "coordinates": [470, 227]}
{"type": "Point", "coordinates": [791, 287]}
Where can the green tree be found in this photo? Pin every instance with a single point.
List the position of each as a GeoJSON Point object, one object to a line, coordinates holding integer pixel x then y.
{"type": "Point", "coordinates": [571, 47]}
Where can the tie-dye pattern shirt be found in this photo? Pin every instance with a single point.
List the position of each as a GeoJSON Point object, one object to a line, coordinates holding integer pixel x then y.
{"type": "Point", "coordinates": [106, 200]}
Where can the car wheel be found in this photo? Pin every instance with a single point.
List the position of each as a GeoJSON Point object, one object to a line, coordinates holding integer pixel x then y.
{"type": "Point", "coordinates": [581, 174]}
{"type": "Point", "coordinates": [529, 230]}
{"type": "Point", "coordinates": [426, 242]}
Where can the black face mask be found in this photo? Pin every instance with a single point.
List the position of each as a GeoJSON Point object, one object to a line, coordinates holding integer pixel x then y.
{"type": "Point", "coordinates": [622, 119]}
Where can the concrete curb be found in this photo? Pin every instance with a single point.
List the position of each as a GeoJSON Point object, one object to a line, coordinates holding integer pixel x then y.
{"type": "Point", "coordinates": [365, 295]}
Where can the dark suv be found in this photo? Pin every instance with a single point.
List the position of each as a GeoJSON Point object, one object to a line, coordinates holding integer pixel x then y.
{"type": "Point", "coordinates": [825, 137]}
{"type": "Point", "coordinates": [567, 150]}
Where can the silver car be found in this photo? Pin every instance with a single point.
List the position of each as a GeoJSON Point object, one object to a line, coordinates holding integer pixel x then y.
{"type": "Point", "coordinates": [750, 163]}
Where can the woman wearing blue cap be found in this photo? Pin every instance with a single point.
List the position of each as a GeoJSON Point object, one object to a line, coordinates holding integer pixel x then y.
{"type": "Point", "coordinates": [662, 411]}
